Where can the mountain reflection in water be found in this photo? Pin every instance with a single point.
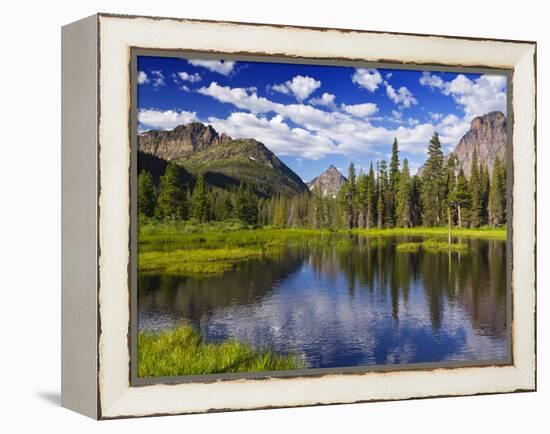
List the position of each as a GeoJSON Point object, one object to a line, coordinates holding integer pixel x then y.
{"type": "Point", "coordinates": [347, 307]}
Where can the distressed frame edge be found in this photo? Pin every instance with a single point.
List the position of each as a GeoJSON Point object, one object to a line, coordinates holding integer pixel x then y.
{"type": "Point", "coordinates": [79, 218]}
{"type": "Point", "coordinates": [529, 386]}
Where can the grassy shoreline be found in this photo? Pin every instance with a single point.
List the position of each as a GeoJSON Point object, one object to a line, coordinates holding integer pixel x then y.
{"type": "Point", "coordinates": [182, 351]}
{"type": "Point", "coordinates": [203, 250]}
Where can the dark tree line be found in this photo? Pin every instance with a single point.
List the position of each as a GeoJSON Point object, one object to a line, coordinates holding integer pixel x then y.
{"type": "Point", "coordinates": [386, 196]}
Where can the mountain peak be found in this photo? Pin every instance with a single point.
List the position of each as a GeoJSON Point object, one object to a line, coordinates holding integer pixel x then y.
{"type": "Point", "coordinates": [180, 141]}
{"type": "Point", "coordinates": [487, 137]}
{"type": "Point", "coordinates": [329, 182]}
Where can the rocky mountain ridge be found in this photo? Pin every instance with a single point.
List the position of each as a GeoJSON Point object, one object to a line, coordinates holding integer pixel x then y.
{"type": "Point", "coordinates": [486, 136]}
{"type": "Point", "coordinates": [329, 182]}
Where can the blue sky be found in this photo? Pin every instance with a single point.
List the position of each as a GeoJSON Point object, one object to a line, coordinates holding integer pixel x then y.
{"type": "Point", "coordinates": [313, 116]}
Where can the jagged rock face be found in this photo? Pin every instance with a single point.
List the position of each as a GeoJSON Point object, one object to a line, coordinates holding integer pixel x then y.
{"type": "Point", "coordinates": [329, 182]}
{"type": "Point", "coordinates": [182, 140]}
{"type": "Point", "coordinates": [224, 162]}
{"type": "Point", "coordinates": [486, 136]}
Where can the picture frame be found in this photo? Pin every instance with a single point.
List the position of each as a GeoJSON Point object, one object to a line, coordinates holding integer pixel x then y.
{"type": "Point", "coordinates": [99, 265]}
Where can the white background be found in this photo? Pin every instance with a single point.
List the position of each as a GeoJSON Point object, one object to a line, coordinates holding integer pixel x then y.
{"type": "Point", "coordinates": [30, 217]}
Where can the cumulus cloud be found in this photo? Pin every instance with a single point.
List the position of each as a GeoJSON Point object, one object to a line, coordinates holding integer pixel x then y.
{"type": "Point", "coordinates": [301, 87]}
{"type": "Point", "coordinates": [239, 97]}
{"type": "Point", "coordinates": [281, 139]}
{"type": "Point", "coordinates": [142, 78]}
{"type": "Point", "coordinates": [223, 67]}
{"type": "Point", "coordinates": [431, 80]}
{"type": "Point", "coordinates": [327, 99]}
{"type": "Point", "coordinates": [164, 119]}
{"type": "Point", "coordinates": [157, 78]}
{"type": "Point", "coordinates": [368, 79]}
{"type": "Point", "coordinates": [360, 110]}
{"type": "Point", "coordinates": [476, 97]}
{"type": "Point", "coordinates": [192, 78]}
{"type": "Point", "coordinates": [321, 132]}
{"type": "Point", "coordinates": [402, 97]}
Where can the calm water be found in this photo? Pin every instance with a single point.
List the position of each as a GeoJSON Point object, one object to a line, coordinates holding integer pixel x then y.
{"type": "Point", "coordinates": [336, 308]}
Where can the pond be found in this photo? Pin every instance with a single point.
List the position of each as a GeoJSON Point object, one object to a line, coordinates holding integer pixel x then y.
{"type": "Point", "coordinates": [363, 303]}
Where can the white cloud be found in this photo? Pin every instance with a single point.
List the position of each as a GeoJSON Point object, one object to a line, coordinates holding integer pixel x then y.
{"type": "Point", "coordinates": [369, 79]}
{"type": "Point", "coordinates": [360, 110]}
{"type": "Point", "coordinates": [164, 119]}
{"type": "Point", "coordinates": [157, 78]}
{"type": "Point", "coordinates": [239, 97]}
{"type": "Point", "coordinates": [301, 87]}
{"type": "Point", "coordinates": [276, 134]}
{"type": "Point", "coordinates": [431, 80]}
{"type": "Point", "coordinates": [436, 116]}
{"type": "Point", "coordinates": [223, 67]}
{"type": "Point", "coordinates": [192, 78]}
{"type": "Point", "coordinates": [327, 99]}
{"type": "Point", "coordinates": [402, 97]}
{"type": "Point", "coordinates": [185, 88]}
{"type": "Point", "coordinates": [320, 132]}
{"type": "Point", "coordinates": [397, 116]}
{"type": "Point", "coordinates": [142, 78]}
{"type": "Point", "coordinates": [476, 97]}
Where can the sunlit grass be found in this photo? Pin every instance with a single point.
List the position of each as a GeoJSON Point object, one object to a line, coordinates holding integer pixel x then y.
{"type": "Point", "coordinates": [431, 246]}
{"type": "Point", "coordinates": [182, 351]}
{"type": "Point", "coordinates": [408, 247]}
{"type": "Point", "coordinates": [484, 232]}
{"type": "Point", "coordinates": [203, 250]}
{"type": "Point", "coordinates": [195, 262]}
{"type": "Point", "coordinates": [436, 246]}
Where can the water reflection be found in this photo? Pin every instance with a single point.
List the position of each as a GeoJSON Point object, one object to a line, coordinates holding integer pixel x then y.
{"type": "Point", "coordinates": [358, 305]}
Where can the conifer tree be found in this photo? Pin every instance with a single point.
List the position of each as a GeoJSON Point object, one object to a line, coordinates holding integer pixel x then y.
{"type": "Point", "coordinates": [393, 182]}
{"type": "Point", "coordinates": [476, 211]}
{"type": "Point", "coordinates": [145, 194]}
{"type": "Point", "coordinates": [462, 199]}
{"type": "Point", "coordinates": [433, 184]}
{"type": "Point", "coordinates": [200, 205]}
{"type": "Point", "coordinates": [485, 187]}
{"type": "Point", "coordinates": [404, 205]}
{"type": "Point", "coordinates": [362, 199]}
{"type": "Point", "coordinates": [371, 198]}
{"type": "Point", "coordinates": [496, 200]}
{"type": "Point", "coordinates": [171, 201]}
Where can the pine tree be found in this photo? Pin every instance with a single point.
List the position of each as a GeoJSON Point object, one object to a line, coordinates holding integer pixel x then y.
{"type": "Point", "coordinates": [349, 195]}
{"type": "Point", "coordinates": [171, 201]}
{"type": "Point", "coordinates": [362, 200]}
{"type": "Point", "coordinates": [200, 205]}
{"type": "Point", "coordinates": [145, 194]}
{"type": "Point", "coordinates": [371, 198]}
{"type": "Point", "coordinates": [381, 182]}
{"type": "Point", "coordinates": [416, 200]}
{"type": "Point", "coordinates": [462, 199]}
{"type": "Point", "coordinates": [476, 207]}
{"type": "Point", "coordinates": [246, 205]}
{"type": "Point", "coordinates": [251, 208]}
{"type": "Point", "coordinates": [450, 187]}
{"type": "Point", "coordinates": [393, 183]}
{"type": "Point", "coordinates": [403, 199]}
{"type": "Point", "coordinates": [433, 184]}
{"type": "Point", "coordinates": [485, 187]}
{"type": "Point", "coordinates": [496, 200]}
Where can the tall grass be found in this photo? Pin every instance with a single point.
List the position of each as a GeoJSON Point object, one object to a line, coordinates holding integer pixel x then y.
{"type": "Point", "coordinates": [203, 250]}
{"type": "Point", "coordinates": [182, 351]}
{"type": "Point", "coordinates": [432, 246]}
{"type": "Point", "coordinates": [484, 232]}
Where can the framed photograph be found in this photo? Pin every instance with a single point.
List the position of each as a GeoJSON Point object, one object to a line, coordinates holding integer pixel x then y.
{"type": "Point", "coordinates": [262, 216]}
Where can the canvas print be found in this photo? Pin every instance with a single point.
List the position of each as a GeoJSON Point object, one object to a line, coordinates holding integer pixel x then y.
{"type": "Point", "coordinates": [303, 217]}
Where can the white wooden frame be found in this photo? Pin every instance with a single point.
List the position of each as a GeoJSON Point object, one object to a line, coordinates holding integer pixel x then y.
{"type": "Point", "coordinates": [96, 217]}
